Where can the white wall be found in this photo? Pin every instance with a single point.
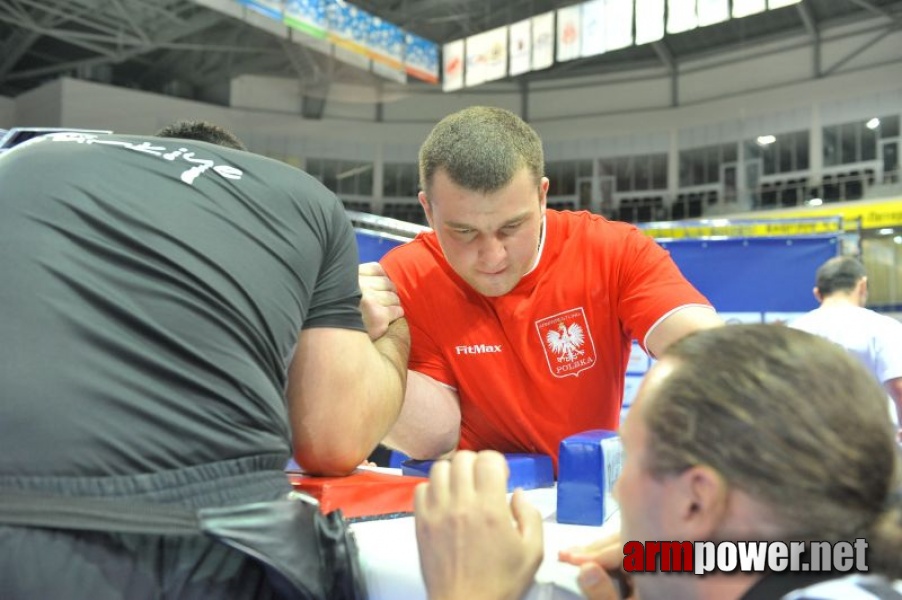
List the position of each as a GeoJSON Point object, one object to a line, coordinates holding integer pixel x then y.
{"type": "Point", "coordinates": [7, 112]}
{"type": "Point", "coordinates": [607, 116]}
{"type": "Point", "coordinates": [40, 107]}
{"type": "Point", "coordinates": [782, 62]}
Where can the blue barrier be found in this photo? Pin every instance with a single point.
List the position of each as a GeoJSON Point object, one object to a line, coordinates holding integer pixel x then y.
{"type": "Point", "coordinates": [754, 274]}
{"type": "Point", "coordinates": [758, 274]}
{"type": "Point", "coordinates": [371, 246]}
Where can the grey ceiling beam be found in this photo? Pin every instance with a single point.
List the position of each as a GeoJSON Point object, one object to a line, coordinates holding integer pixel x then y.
{"type": "Point", "coordinates": [807, 19]}
{"type": "Point", "coordinates": [664, 54]}
{"type": "Point", "coordinates": [96, 42]}
{"type": "Point", "coordinates": [814, 33]}
{"type": "Point", "coordinates": [57, 68]}
{"type": "Point", "coordinates": [413, 10]}
{"type": "Point", "coordinates": [201, 21]}
{"type": "Point", "coordinates": [861, 49]}
{"type": "Point", "coordinates": [86, 16]}
{"type": "Point", "coordinates": [166, 14]}
{"type": "Point", "coordinates": [14, 8]}
{"type": "Point", "coordinates": [301, 61]}
{"type": "Point", "coordinates": [126, 16]}
{"type": "Point", "coordinates": [873, 9]}
{"type": "Point", "coordinates": [172, 61]}
{"type": "Point", "coordinates": [669, 61]}
{"type": "Point", "coordinates": [64, 36]}
{"type": "Point", "coordinates": [14, 48]}
{"type": "Point", "coordinates": [19, 43]}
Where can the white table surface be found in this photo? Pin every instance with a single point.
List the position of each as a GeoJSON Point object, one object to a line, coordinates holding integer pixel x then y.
{"type": "Point", "coordinates": [391, 565]}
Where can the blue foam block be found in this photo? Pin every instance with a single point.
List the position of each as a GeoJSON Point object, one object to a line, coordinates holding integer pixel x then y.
{"type": "Point", "coordinates": [527, 471]}
{"type": "Point", "coordinates": [588, 465]}
{"type": "Point", "coordinates": [396, 459]}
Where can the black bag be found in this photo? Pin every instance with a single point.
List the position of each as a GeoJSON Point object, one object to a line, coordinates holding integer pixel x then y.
{"type": "Point", "coordinates": [307, 555]}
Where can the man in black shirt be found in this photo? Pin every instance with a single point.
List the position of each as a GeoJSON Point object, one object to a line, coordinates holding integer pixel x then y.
{"type": "Point", "coordinates": [178, 318]}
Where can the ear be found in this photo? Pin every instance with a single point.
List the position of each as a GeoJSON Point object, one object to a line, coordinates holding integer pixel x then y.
{"type": "Point", "coordinates": [427, 208]}
{"type": "Point", "coordinates": [543, 193]}
{"type": "Point", "coordinates": [699, 503]}
{"type": "Point", "coordinates": [817, 294]}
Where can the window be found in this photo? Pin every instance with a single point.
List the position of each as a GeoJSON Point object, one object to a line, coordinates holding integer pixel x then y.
{"type": "Point", "coordinates": [563, 175]}
{"type": "Point", "coordinates": [658, 171]}
{"type": "Point", "coordinates": [802, 150]}
{"type": "Point", "coordinates": [400, 180]}
{"type": "Point", "coordinates": [787, 153]}
{"type": "Point", "coordinates": [848, 144]}
{"type": "Point", "coordinates": [768, 159]}
{"type": "Point", "coordinates": [712, 164]}
{"type": "Point", "coordinates": [855, 142]}
{"type": "Point", "coordinates": [624, 174]}
{"type": "Point", "coordinates": [641, 172]}
{"type": "Point", "coordinates": [889, 126]}
{"type": "Point", "coordinates": [636, 173]}
{"type": "Point", "coordinates": [868, 144]}
{"type": "Point", "coordinates": [343, 176]}
{"type": "Point", "coordinates": [700, 166]}
{"type": "Point", "coordinates": [831, 146]}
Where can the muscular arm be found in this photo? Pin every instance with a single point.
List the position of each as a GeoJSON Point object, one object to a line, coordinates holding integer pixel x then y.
{"type": "Point", "coordinates": [680, 323]}
{"type": "Point", "coordinates": [345, 393]}
{"type": "Point", "coordinates": [429, 425]}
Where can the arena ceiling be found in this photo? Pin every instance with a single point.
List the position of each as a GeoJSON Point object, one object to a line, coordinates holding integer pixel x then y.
{"type": "Point", "coordinates": [183, 48]}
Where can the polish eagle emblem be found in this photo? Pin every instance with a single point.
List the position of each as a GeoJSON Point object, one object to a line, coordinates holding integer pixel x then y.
{"type": "Point", "coordinates": [566, 341]}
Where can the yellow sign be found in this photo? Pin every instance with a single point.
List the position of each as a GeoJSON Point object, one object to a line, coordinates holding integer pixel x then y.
{"type": "Point", "coordinates": [809, 220]}
{"type": "Point", "coordinates": [725, 228]}
{"type": "Point", "coordinates": [873, 215]}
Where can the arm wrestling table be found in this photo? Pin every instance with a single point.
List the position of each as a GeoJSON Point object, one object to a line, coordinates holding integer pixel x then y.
{"type": "Point", "coordinates": [391, 565]}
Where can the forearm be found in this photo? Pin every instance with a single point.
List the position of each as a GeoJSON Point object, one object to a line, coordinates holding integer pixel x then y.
{"type": "Point", "coordinates": [386, 397]}
{"type": "Point", "coordinates": [346, 399]}
{"type": "Point", "coordinates": [429, 424]}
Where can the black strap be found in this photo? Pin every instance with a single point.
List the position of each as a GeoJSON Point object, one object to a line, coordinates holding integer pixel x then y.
{"type": "Point", "coordinates": [95, 514]}
{"type": "Point", "coordinates": [777, 585]}
{"type": "Point", "coordinates": [307, 554]}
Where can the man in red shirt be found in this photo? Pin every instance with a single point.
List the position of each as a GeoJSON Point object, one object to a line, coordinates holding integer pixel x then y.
{"type": "Point", "coordinates": [521, 318]}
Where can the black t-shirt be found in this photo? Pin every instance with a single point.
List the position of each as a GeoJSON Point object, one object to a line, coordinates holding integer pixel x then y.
{"type": "Point", "coordinates": [151, 295]}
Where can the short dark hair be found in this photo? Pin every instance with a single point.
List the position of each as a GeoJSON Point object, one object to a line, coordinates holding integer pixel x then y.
{"type": "Point", "coordinates": [201, 131]}
{"type": "Point", "coordinates": [481, 148]}
{"type": "Point", "coordinates": [840, 274]}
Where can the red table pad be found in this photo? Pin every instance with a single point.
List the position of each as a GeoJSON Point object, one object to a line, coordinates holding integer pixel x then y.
{"type": "Point", "coordinates": [363, 493]}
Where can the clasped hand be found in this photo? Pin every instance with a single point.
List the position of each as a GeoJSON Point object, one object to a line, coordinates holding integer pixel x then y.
{"type": "Point", "coordinates": [379, 302]}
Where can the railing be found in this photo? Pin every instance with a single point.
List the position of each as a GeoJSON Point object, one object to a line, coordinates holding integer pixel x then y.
{"type": "Point", "coordinates": [393, 228]}
{"type": "Point", "coordinates": [706, 201]}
